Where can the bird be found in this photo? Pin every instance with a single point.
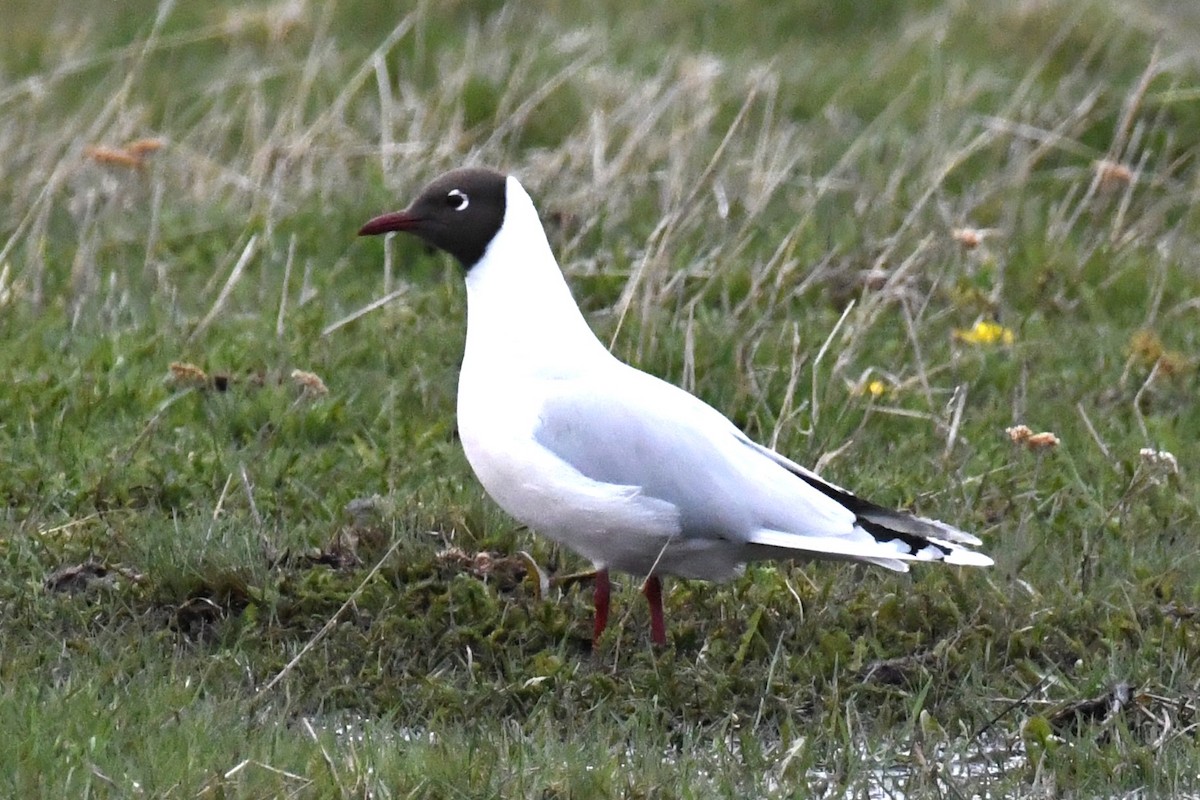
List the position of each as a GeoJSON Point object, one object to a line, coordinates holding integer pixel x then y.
{"type": "Point", "coordinates": [625, 469]}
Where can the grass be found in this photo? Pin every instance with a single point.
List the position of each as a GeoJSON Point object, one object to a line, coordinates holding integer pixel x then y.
{"type": "Point", "coordinates": [217, 582]}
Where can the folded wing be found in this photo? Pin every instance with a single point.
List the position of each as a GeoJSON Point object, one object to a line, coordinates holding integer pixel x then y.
{"type": "Point", "coordinates": [636, 430]}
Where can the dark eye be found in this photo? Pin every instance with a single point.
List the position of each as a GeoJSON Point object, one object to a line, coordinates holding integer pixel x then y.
{"type": "Point", "coordinates": [457, 200]}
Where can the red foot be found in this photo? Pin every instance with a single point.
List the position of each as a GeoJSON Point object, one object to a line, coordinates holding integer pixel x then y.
{"type": "Point", "coordinates": [652, 588]}
{"type": "Point", "coordinates": [600, 596]}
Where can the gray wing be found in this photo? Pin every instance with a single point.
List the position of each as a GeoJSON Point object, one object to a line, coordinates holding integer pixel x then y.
{"type": "Point", "coordinates": [636, 430]}
{"type": "Point", "coordinates": [647, 433]}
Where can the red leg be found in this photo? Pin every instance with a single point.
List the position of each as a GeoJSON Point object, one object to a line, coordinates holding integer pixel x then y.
{"type": "Point", "coordinates": [652, 588]}
{"type": "Point", "coordinates": [600, 599]}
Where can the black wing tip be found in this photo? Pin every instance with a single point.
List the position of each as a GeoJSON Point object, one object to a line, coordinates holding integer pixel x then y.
{"type": "Point", "coordinates": [888, 525]}
{"type": "Point", "coordinates": [914, 542]}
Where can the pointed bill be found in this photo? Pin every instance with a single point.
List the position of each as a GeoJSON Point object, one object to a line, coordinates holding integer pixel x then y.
{"type": "Point", "coordinates": [389, 223]}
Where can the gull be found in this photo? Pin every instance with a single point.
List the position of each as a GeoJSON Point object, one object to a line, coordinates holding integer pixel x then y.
{"type": "Point", "coordinates": [627, 470]}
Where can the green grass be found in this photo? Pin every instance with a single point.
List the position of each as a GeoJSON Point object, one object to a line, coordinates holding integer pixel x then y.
{"type": "Point", "coordinates": [760, 204]}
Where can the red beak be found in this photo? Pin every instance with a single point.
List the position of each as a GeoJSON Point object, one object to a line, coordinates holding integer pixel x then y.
{"type": "Point", "coordinates": [387, 223]}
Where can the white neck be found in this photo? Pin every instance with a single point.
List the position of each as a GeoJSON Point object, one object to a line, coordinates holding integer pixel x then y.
{"type": "Point", "coordinates": [520, 313]}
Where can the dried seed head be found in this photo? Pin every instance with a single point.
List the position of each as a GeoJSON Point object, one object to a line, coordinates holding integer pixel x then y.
{"type": "Point", "coordinates": [310, 383]}
{"type": "Point", "coordinates": [1024, 436]}
{"type": "Point", "coordinates": [1161, 461]}
{"type": "Point", "coordinates": [142, 147]}
{"type": "Point", "coordinates": [131, 156]}
{"type": "Point", "coordinates": [970, 238]}
{"type": "Point", "coordinates": [1146, 346]}
{"type": "Point", "coordinates": [483, 563]}
{"type": "Point", "coordinates": [187, 374]}
{"type": "Point", "coordinates": [1113, 174]}
{"type": "Point", "coordinates": [113, 156]}
{"type": "Point", "coordinates": [1018, 433]}
{"type": "Point", "coordinates": [1042, 441]}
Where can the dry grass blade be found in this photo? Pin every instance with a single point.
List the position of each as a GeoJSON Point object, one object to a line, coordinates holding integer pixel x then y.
{"type": "Point", "coordinates": [362, 312]}
{"type": "Point", "coordinates": [235, 275]}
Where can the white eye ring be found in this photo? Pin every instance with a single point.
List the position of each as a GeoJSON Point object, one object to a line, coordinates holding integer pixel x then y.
{"type": "Point", "coordinates": [457, 200]}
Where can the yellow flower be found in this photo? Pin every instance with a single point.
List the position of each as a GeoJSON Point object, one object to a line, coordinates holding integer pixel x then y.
{"type": "Point", "coordinates": [986, 332]}
{"type": "Point", "coordinates": [870, 387]}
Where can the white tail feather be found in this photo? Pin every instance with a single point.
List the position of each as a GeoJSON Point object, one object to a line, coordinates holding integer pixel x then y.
{"type": "Point", "coordinates": [890, 554]}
